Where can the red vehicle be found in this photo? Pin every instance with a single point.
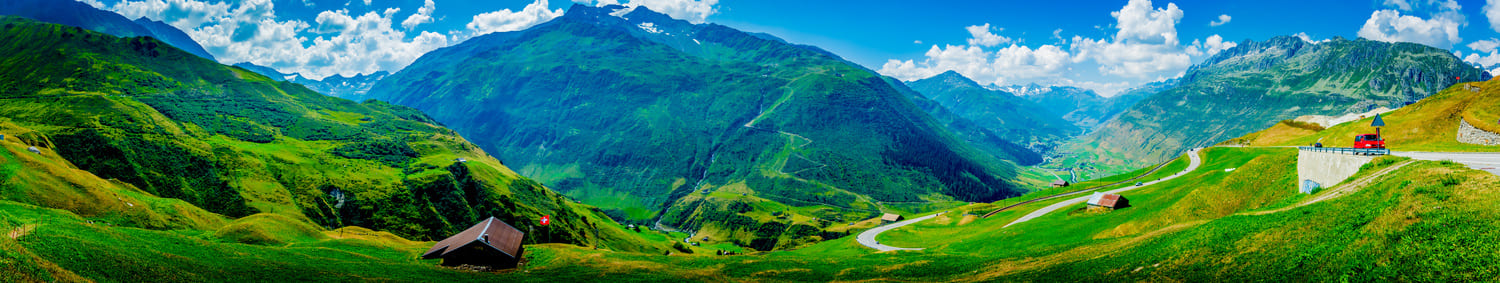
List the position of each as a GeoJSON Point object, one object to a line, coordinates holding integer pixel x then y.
{"type": "Point", "coordinates": [1369, 141]}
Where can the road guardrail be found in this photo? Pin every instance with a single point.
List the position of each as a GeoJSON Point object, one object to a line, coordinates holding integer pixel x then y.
{"type": "Point", "coordinates": [1347, 150]}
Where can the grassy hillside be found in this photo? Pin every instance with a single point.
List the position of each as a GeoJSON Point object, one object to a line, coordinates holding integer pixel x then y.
{"type": "Point", "coordinates": [1249, 87]}
{"type": "Point", "coordinates": [645, 123]}
{"type": "Point", "coordinates": [1423, 220]}
{"type": "Point", "coordinates": [1428, 125]}
{"type": "Point", "coordinates": [1194, 228]}
{"type": "Point", "coordinates": [158, 121]}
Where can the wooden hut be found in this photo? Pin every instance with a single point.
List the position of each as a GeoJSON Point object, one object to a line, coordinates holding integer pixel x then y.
{"type": "Point", "coordinates": [1111, 201]}
{"type": "Point", "coordinates": [491, 243]}
{"type": "Point", "coordinates": [1059, 184]}
{"type": "Point", "coordinates": [891, 217]}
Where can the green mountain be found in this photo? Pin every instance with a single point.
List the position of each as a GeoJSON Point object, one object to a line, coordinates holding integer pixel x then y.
{"type": "Point", "coordinates": [985, 139]}
{"type": "Point", "coordinates": [1012, 118]}
{"type": "Point", "coordinates": [79, 14]}
{"type": "Point", "coordinates": [160, 123]}
{"type": "Point", "coordinates": [1250, 87]}
{"type": "Point", "coordinates": [656, 118]}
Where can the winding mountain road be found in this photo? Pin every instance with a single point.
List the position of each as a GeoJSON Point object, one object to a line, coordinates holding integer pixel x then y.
{"type": "Point", "coordinates": [867, 237]}
{"type": "Point", "coordinates": [1193, 163]}
{"type": "Point", "coordinates": [1484, 161]}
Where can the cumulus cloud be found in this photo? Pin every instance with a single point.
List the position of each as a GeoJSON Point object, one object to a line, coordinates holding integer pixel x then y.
{"type": "Point", "coordinates": [1223, 19]}
{"type": "Point", "coordinates": [94, 3]}
{"type": "Point", "coordinates": [1140, 23]}
{"type": "Point", "coordinates": [1308, 39]}
{"type": "Point", "coordinates": [981, 36]}
{"type": "Point", "coordinates": [1490, 61]}
{"type": "Point", "coordinates": [695, 11]}
{"type": "Point", "coordinates": [250, 31]}
{"type": "Point", "coordinates": [1440, 30]}
{"type": "Point", "coordinates": [1492, 12]}
{"type": "Point", "coordinates": [506, 20]}
{"type": "Point", "coordinates": [1145, 46]}
{"type": "Point", "coordinates": [423, 15]}
{"type": "Point", "coordinates": [183, 14]}
{"type": "Point", "coordinates": [1209, 46]}
{"type": "Point", "coordinates": [1487, 45]}
{"type": "Point", "coordinates": [1399, 4]}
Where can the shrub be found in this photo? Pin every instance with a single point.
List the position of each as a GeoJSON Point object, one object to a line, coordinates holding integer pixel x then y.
{"type": "Point", "coordinates": [682, 248]}
{"type": "Point", "coordinates": [1303, 125]}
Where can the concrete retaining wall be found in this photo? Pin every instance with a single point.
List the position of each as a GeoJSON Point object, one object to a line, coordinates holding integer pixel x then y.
{"type": "Point", "coordinates": [1471, 135]}
{"type": "Point", "coordinates": [1327, 169]}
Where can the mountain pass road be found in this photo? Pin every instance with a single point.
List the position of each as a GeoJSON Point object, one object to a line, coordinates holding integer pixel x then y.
{"type": "Point", "coordinates": [1194, 161]}
{"type": "Point", "coordinates": [1486, 161]}
{"type": "Point", "coordinates": [867, 238]}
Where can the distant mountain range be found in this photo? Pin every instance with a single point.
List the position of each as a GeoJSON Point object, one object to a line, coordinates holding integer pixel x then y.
{"type": "Point", "coordinates": [661, 119]}
{"type": "Point", "coordinates": [1254, 85]}
{"type": "Point", "coordinates": [78, 14]}
{"type": "Point", "coordinates": [1084, 108]}
{"type": "Point", "coordinates": [337, 85]}
{"type": "Point", "coordinates": [1012, 118]}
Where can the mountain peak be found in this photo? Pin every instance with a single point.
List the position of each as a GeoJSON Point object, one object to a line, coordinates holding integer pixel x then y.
{"type": "Point", "coordinates": [953, 78]}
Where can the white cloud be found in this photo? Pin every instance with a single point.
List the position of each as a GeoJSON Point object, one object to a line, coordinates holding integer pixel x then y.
{"type": "Point", "coordinates": [183, 14]}
{"type": "Point", "coordinates": [250, 31]}
{"type": "Point", "coordinates": [1490, 61]}
{"type": "Point", "coordinates": [1223, 19]}
{"type": "Point", "coordinates": [1145, 46]}
{"type": "Point", "coordinates": [506, 20]}
{"type": "Point", "coordinates": [1441, 30]}
{"type": "Point", "coordinates": [423, 15]}
{"type": "Point", "coordinates": [981, 36]}
{"type": "Point", "coordinates": [1138, 61]}
{"type": "Point", "coordinates": [95, 3]}
{"type": "Point", "coordinates": [1308, 39]}
{"type": "Point", "coordinates": [1399, 4]}
{"type": "Point", "coordinates": [1492, 12]}
{"type": "Point", "coordinates": [917, 42]}
{"type": "Point", "coordinates": [335, 22]}
{"type": "Point", "coordinates": [695, 11]}
{"type": "Point", "coordinates": [1487, 45]}
{"type": "Point", "coordinates": [1140, 23]}
{"type": "Point", "coordinates": [367, 2]}
{"type": "Point", "coordinates": [1216, 43]}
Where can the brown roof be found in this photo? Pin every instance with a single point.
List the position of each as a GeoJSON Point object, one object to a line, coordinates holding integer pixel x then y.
{"type": "Point", "coordinates": [890, 217]}
{"type": "Point", "coordinates": [502, 237]}
{"type": "Point", "coordinates": [1109, 200]}
{"type": "Point", "coordinates": [1059, 183]}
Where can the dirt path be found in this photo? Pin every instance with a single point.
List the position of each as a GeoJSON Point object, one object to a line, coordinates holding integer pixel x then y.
{"type": "Point", "coordinates": [1337, 191]}
{"type": "Point", "coordinates": [21, 231]}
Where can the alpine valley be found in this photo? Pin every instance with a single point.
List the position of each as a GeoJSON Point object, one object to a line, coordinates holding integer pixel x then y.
{"type": "Point", "coordinates": [664, 141]}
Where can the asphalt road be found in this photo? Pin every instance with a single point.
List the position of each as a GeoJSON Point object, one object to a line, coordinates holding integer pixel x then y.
{"type": "Point", "coordinates": [1193, 163]}
{"type": "Point", "coordinates": [867, 237]}
{"type": "Point", "coordinates": [1485, 161]}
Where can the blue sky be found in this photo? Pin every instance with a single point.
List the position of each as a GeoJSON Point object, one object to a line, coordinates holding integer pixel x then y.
{"type": "Point", "coordinates": [1103, 45]}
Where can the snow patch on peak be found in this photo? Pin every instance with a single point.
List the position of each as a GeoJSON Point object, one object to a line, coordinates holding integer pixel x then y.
{"type": "Point", "coordinates": [622, 11]}
{"type": "Point", "coordinates": [649, 27]}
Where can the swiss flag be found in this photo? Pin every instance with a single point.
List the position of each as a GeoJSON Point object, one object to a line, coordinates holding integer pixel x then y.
{"type": "Point", "coordinates": [546, 219]}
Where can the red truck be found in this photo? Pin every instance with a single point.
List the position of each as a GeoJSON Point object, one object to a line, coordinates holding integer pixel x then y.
{"type": "Point", "coordinates": [1369, 141]}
